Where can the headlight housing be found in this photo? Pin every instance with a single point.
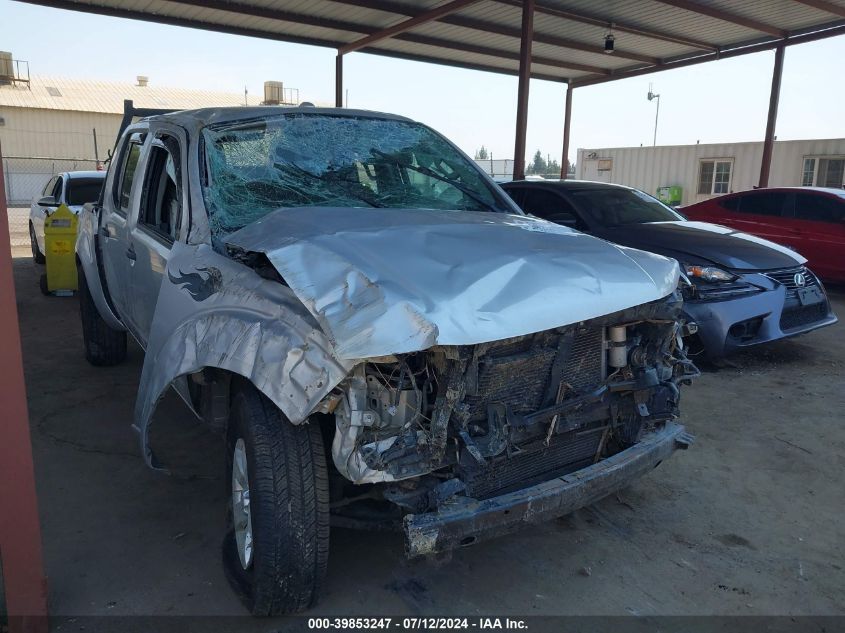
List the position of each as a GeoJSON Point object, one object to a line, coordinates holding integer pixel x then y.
{"type": "Point", "coordinates": [710, 274]}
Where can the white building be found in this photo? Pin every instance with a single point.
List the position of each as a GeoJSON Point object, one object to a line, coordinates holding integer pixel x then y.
{"type": "Point", "coordinates": [49, 124]}
{"type": "Point", "coordinates": [704, 171]}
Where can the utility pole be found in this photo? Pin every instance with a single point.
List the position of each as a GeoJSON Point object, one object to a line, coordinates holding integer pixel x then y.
{"type": "Point", "coordinates": [651, 97]}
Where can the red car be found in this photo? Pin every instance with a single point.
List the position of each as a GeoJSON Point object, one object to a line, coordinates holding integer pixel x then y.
{"type": "Point", "coordinates": [809, 219]}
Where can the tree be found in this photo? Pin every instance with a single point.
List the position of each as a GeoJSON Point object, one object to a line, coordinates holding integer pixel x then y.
{"type": "Point", "coordinates": [482, 154]}
{"type": "Point", "coordinates": [538, 165]}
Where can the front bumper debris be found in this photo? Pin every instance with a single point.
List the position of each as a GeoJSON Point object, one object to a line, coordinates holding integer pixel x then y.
{"type": "Point", "coordinates": [461, 521]}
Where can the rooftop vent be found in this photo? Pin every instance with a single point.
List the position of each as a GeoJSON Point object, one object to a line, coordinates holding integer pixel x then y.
{"type": "Point", "coordinates": [7, 68]}
{"type": "Point", "coordinates": [274, 92]}
{"type": "Point", "coordinates": [142, 81]}
{"type": "Point", "coordinates": [13, 71]}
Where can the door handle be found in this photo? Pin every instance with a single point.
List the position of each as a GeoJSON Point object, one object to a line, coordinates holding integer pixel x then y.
{"type": "Point", "coordinates": [130, 253]}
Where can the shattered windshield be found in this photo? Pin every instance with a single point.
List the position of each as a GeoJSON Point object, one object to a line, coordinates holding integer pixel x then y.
{"type": "Point", "coordinates": [300, 160]}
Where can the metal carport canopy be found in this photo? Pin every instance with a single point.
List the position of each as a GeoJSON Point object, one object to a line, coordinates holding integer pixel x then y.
{"type": "Point", "coordinates": [554, 40]}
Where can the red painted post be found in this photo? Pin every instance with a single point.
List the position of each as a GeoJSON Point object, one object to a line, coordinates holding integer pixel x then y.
{"type": "Point", "coordinates": [338, 81]}
{"type": "Point", "coordinates": [522, 88]}
{"type": "Point", "coordinates": [20, 529]}
{"type": "Point", "coordinates": [769, 142]}
{"type": "Point", "coordinates": [567, 120]}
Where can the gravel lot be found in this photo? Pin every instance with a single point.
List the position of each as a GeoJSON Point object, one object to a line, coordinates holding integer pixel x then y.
{"type": "Point", "coordinates": [748, 521]}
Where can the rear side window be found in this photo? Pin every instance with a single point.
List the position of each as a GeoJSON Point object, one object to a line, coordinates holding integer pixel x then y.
{"type": "Point", "coordinates": [48, 188]}
{"type": "Point", "coordinates": [515, 194]}
{"type": "Point", "coordinates": [83, 190]}
{"type": "Point", "coordinates": [732, 203]}
{"type": "Point", "coordinates": [819, 208]}
{"type": "Point", "coordinates": [126, 166]}
{"type": "Point", "coordinates": [763, 203]}
{"type": "Point", "coordinates": [128, 174]}
{"type": "Point", "coordinates": [549, 206]}
{"type": "Point", "coordinates": [57, 189]}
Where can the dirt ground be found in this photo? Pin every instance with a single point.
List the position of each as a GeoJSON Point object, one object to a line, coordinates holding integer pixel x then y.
{"type": "Point", "coordinates": [748, 521]}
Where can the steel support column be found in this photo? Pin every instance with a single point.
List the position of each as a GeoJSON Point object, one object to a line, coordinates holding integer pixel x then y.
{"type": "Point", "coordinates": [338, 81]}
{"type": "Point", "coordinates": [20, 530]}
{"type": "Point", "coordinates": [527, 36]}
{"type": "Point", "coordinates": [769, 142]}
{"type": "Point", "coordinates": [567, 119]}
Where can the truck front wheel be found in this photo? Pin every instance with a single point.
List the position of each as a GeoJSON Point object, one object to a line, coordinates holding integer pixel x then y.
{"type": "Point", "coordinates": [277, 546]}
{"type": "Point", "coordinates": [103, 345]}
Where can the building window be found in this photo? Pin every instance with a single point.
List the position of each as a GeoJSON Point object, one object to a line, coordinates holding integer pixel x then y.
{"type": "Point", "coordinates": [605, 164]}
{"type": "Point", "coordinates": [831, 172]}
{"type": "Point", "coordinates": [714, 177]}
{"type": "Point", "coordinates": [808, 176]}
{"type": "Point", "coordinates": [823, 171]}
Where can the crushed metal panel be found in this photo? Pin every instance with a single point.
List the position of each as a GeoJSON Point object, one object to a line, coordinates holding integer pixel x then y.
{"type": "Point", "coordinates": [214, 312]}
{"type": "Point", "coordinates": [388, 281]}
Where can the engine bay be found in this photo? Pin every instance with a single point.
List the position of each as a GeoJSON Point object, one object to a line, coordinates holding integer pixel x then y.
{"type": "Point", "coordinates": [486, 419]}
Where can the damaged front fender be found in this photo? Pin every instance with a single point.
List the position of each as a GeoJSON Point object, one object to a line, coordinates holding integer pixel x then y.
{"type": "Point", "coordinates": [214, 312]}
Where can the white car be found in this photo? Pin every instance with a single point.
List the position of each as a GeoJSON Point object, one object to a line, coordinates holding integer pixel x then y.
{"type": "Point", "coordinates": [73, 188]}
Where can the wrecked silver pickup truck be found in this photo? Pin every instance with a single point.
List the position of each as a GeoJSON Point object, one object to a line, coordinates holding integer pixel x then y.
{"type": "Point", "coordinates": [364, 315]}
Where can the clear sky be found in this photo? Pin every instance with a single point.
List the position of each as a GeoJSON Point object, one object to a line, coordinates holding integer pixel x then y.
{"type": "Point", "coordinates": [717, 102]}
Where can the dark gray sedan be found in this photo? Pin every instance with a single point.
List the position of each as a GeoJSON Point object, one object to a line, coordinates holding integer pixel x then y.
{"type": "Point", "coordinates": [743, 290]}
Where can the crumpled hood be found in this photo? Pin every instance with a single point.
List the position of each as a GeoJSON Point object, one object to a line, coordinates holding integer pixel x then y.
{"type": "Point", "coordinates": [701, 240]}
{"type": "Point", "coordinates": [389, 281]}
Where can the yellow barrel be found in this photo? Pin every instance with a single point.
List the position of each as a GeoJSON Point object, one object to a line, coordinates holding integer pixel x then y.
{"type": "Point", "coordinates": [59, 244]}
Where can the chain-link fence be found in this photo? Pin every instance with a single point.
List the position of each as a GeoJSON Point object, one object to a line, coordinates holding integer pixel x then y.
{"type": "Point", "coordinates": [498, 169]}
{"type": "Point", "coordinates": [25, 179]}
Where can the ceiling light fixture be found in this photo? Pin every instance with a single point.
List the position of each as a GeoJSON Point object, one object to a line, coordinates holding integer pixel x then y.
{"type": "Point", "coordinates": [609, 40]}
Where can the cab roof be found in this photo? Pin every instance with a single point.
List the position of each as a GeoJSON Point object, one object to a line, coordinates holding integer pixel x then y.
{"type": "Point", "coordinates": [212, 116]}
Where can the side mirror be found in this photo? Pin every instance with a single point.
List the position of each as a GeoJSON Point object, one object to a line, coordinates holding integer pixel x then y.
{"type": "Point", "coordinates": [48, 201]}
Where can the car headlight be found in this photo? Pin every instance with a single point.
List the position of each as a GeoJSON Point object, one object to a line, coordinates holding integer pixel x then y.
{"type": "Point", "coordinates": [709, 274]}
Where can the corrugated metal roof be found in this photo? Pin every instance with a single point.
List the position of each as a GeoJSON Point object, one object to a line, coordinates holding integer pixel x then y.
{"type": "Point", "coordinates": [87, 95]}
{"type": "Point", "coordinates": [569, 35]}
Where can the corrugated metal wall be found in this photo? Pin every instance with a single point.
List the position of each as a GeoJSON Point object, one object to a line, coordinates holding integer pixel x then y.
{"type": "Point", "coordinates": [56, 133]}
{"type": "Point", "coordinates": [39, 143]}
{"type": "Point", "coordinates": [648, 168]}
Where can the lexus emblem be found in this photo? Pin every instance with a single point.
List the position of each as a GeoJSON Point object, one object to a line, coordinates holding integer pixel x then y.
{"type": "Point", "coordinates": [799, 280]}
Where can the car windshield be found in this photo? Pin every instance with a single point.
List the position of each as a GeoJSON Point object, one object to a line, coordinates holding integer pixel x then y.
{"type": "Point", "coordinates": [617, 207]}
{"type": "Point", "coordinates": [301, 160]}
{"type": "Point", "coordinates": [83, 190]}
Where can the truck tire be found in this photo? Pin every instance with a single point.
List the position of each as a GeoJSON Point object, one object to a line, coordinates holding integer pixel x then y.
{"type": "Point", "coordinates": [37, 255]}
{"type": "Point", "coordinates": [276, 550]}
{"type": "Point", "coordinates": [103, 345]}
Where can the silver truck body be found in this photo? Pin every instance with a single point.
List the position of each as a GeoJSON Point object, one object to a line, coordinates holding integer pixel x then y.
{"type": "Point", "coordinates": [462, 352]}
{"type": "Point", "coordinates": [191, 307]}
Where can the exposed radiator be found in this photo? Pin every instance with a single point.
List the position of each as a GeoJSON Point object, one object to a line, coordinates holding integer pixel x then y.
{"type": "Point", "coordinates": [517, 373]}
{"type": "Point", "coordinates": [566, 454]}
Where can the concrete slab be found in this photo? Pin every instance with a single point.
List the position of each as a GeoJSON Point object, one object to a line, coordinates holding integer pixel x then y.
{"type": "Point", "coordinates": [747, 522]}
